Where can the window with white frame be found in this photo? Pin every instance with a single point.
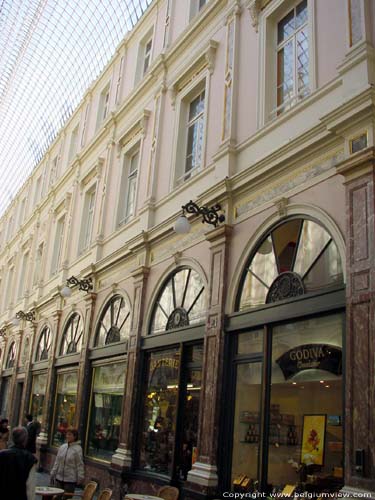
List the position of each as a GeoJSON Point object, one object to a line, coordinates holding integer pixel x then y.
{"type": "Point", "coordinates": [23, 275]}
{"type": "Point", "coordinates": [191, 135]}
{"type": "Point", "coordinates": [84, 126]}
{"type": "Point", "coordinates": [87, 219]}
{"type": "Point", "coordinates": [147, 56]}
{"type": "Point", "coordinates": [119, 80]}
{"type": "Point", "coordinates": [9, 290]}
{"type": "Point", "coordinates": [128, 187]}
{"type": "Point", "coordinates": [21, 213]}
{"type": "Point", "coordinates": [38, 189]}
{"type": "Point", "coordinates": [53, 172]}
{"type": "Point", "coordinates": [10, 227]}
{"type": "Point", "coordinates": [292, 57]}
{"type": "Point", "coordinates": [73, 147]}
{"type": "Point", "coordinates": [196, 6]}
{"type": "Point", "coordinates": [57, 247]}
{"type": "Point", "coordinates": [38, 264]}
{"type": "Point", "coordinates": [103, 106]}
{"type": "Point", "coordinates": [144, 56]}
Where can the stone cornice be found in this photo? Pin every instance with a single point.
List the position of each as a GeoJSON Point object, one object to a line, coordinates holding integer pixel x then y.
{"type": "Point", "coordinates": [357, 165]}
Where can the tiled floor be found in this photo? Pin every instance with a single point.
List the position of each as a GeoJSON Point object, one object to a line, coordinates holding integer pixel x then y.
{"type": "Point", "coordinates": [43, 479]}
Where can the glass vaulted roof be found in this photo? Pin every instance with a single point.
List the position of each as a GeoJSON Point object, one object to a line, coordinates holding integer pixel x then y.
{"type": "Point", "coordinates": [50, 52]}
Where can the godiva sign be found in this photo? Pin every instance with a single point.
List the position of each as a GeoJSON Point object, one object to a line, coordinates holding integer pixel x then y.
{"type": "Point", "coordinates": [308, 356]}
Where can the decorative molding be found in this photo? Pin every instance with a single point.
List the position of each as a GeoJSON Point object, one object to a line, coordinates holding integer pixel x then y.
{"type": "Point", "coordinates": [282, 206]}
{"type": "Point", "coordinates": [95, 171]}
{"type": "Point", "coordinates": [138, 127]}
{"type": "Point", "coordinates": [254, 7]}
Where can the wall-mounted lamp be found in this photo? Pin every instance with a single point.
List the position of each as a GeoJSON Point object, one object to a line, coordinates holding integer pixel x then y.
{"type": "Point", "coordinates": [84, 285]}
{"type": "Point", "coordinates": [3, 332]}
{"type": "Point", "coordinates": [29, 316]}
{"type": "Point", "coordinates": [209, 215]}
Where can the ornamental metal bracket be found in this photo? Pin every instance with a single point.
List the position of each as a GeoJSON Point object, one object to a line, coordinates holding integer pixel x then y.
{"type": "Point", "coordinates": [29, 316]}
{"type": "Point", "coordinates": [209, 214]}
{"type": "Point", "coordinates": [3, 332]}
{"type": "Point", "coordinates": [84, 285]}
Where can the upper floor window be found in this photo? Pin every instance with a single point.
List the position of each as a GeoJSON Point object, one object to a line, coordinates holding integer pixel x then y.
{"type": "Point", "coordinates": [10, 227]}
{"type": "Point", "coordinates": [114, 322]}
{"type": "Point", "coordinates": [11, 358]}
{"type": "Point", "coordinates": [128, 187]}
{"type": "Point", "coordinates": [44, 345]}
{"type": "Point", "coordinates": [196, 6]}
{"type": "Point", "coordinates": [103, 105]}
{"type": "Point", "coordinates": [147, 56]}
{"type": "Point", "coordinates": [119, 80]}
{"type": "Point", "coordinates": [22, 283]}
{"type": "Point", "coordinates": [87, 219]}
{"type": "Point", "coordinates": [181, 302]}
{"type": "Point", "coordinates": [292, 57]}
{"type": "Point", "coordinates": [73, 147]}
{"type": "Point", "coordinates": [72, 336]}
{"type": "Point", "coordinates": [38, 264]}
{"type": "Point", "coordinates": [296, 257]}
{"type": "Point", "coordinates": [22, 210]}
{"type": "Point", "coordinates": [38, 189]}
{"type": "Point", "coordinates": [144, 56]}
{"type": "Point", "coordinates": [58, 243]}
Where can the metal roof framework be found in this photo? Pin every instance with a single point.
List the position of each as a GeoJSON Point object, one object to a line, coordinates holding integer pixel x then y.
{"type": "Point", "coordinates": [50, 53]}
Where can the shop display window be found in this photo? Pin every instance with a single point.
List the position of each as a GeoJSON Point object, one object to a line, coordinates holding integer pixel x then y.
{"type": "Point", "coordinates": [4, 397]}
{"type": "Point", "coordinates": [105, 410]}
{"type": "Point", "coordinates": [65, 406]}
{"type": "Point", "coordinates": [305, 431]}
{"type": "Point", "coordinates": [72, 336]}
{"type": "Point", "coordinates": [38, 393]}
{"type": "Point", "coordinates": [169, 431]}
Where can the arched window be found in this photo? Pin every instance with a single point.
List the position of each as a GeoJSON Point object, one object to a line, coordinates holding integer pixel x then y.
{"type": "Point", "coordinates": [72, 336]}
{"type": "Point", "coordinates": [44, 344]}
{"type": "Point", "coordinates": [11, 359]}
{"type": "Point", "coordinates": [114, 322]}
{"type": "Point", "coordinates": [181, 302]}
{"type": "Point", "coordinates": [296, 257]}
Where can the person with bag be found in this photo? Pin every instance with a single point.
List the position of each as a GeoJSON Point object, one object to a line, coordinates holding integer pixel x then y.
{"type": "Point", "coordinates": [68, 469]}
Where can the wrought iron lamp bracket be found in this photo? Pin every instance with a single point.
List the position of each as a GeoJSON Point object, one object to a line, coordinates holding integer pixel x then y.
{"type": "Point", "coordinates": [209, 215]}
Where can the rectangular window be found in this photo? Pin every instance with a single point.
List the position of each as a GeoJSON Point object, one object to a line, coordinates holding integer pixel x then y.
{"type": "Point", "coordinates": [103, 106]}
{"type": "Point", "coordinates": [196, 6]}
{"type": "Point", "coordinates": [84, 126]}
{"type": "Point", "coordinates": [23, 275]}
{"type": "Point", "coordinates": [9, 290]}
{"type": "Point", "coordinates": [195, 135]}
{"type": "Point", "coordinates": [292, 57]}
{"type": "Point", "coordinates": [38, 264]}
{"type": "Point", "coordinates": [53, 171]}
{"type": "Point", "coordinates": [105, 410]}
{"type": "Point", "coordinates": [73, 147]}
{"type": "Point", "coordinates": [119, 79]}
{"type": "Point", "coordinates": [38, 188]}
{"type": "Point", "coordinates": [21, 214]}
{"type": "Point", "coordinates": [10, 227]}
{"type": "Point", "coordinates": [38, 393]}
{"type": "Point", "coordinates": [65, 406]}
{"type": "Point", "coordinates": [128, 187]}
{"type": "Point", "coordinates": [58, 243]}
{"type": "Point", "coordinates": [87, 219]}
{"type": "Point", "coordinates": [147, 55]}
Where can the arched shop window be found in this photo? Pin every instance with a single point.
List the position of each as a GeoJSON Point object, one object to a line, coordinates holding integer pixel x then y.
{"type": "Point", "coordinates": [295, 258]}
{"type": "Point", "coordinates": [180, 303]}
{"type": "Point", "coordinates": [44, 345]}
{"type": "Point", "coordinates": [286, 366]}
{"type": "Point", "coordinates": [173, 378]}
{"type": "Point", "coordinates": [114, 322]}
{"type": "Point", "coordinates": [72, 336]}
{"type": "Point", "coordinates": [11, 358]}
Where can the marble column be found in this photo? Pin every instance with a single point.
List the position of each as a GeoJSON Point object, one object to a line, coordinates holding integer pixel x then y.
{"type": "Point", "coordinates": [203, 476]}
{"type": "Point", "coordinates": [359, 178]}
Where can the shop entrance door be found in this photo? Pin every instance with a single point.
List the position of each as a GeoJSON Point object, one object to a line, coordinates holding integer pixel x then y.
{"type": "Point", "coordinates": [17, 407]}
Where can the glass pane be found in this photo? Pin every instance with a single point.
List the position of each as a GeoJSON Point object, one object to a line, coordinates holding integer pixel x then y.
{"type": "Point", "coordinates": [65, 406]}
{"type": "Point", "coordinates": [306, 380]}
{"type": "Point", "coordinates": [253, 292]}
{"type": "Point", "coordinates": [159, 412]}
{"type": "Point", "coordinates": [105, 415]}
{"type": "Point", "coordinates": [250, 342]}
{"type": "Point", "coordinates": [196, 106]}
{"type": "Point", "coordinates": [115, 322]}
{"type": "Point", "coordinates": [72, 340]}
{"type": "Point", "coordinates": [37, 396]}
{"type": "Point", "coordinates": [302, 62]}
{"type": "Point", "coordinates": [246, 425]}
{"type": "Point", "coordinates": [263, 264]}
{"type": "Point", "coordinates": [285, 27]}
{"type": "Point", "coordinates": [190, 416]}
{"type": "Point", "coordinates": [301, 13]}
{"type": "Point", "coordinates": [285, 239]}
{"type": "Point", "coordinates": [327, 270]}
{"type": "Point", "coordinates": [194, 354]}
{"type": "Point", "coordinates": [312, 241]}
{"type": "Point", "coordinates": [285, 70]}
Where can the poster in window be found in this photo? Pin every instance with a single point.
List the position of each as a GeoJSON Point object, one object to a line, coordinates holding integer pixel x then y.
{"type": "Point", "coordinates": [313, 437]}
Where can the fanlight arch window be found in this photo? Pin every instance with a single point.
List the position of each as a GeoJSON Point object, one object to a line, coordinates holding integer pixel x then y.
{"type": "Point", "coordinates": [114, 322]}
{"type": "Point", "coordinates": [11, 358]}
{"type": "Point", "coordinates": [294, 258]}
{"type": "Point", "coordinates": [44, 345]}
{"type": "Point", "coordinates": [181, 302]}
{"type": "Point", "coordinates": [72, 336]}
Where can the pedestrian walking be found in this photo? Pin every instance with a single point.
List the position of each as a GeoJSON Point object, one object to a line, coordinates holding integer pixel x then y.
{"type": "Point", "coordinates": [16, 464]}
{"type": "Point", "coordinates": [33, 429]}
{"type": "Point", "coordinates": [4, 433]}
{"type": "Point", "coordinates": [68, 469]}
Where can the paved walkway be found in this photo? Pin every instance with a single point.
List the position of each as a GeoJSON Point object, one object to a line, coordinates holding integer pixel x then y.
{"type": "Point", "coordinates": [43, 479]}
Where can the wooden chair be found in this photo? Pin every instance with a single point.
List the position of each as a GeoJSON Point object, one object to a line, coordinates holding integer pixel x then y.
{"type": "Point", "coordinates": [168, 493]}
{"type": "Point", "coordinates": [106, 494]}
{"type": "Point", "coordinates": [87, 494]}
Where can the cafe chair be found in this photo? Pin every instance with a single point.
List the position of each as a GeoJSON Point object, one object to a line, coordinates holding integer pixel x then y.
{"type": "Point", "coordinates": [106, 494]}
{"type": "Point", "coordinates": [87, 494]}
{"type": "Point", "coordinates": [168, 493]}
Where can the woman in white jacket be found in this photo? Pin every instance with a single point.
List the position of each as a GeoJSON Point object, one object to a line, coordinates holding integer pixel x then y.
{"type": "Point", "coordinates": [68, 469]}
